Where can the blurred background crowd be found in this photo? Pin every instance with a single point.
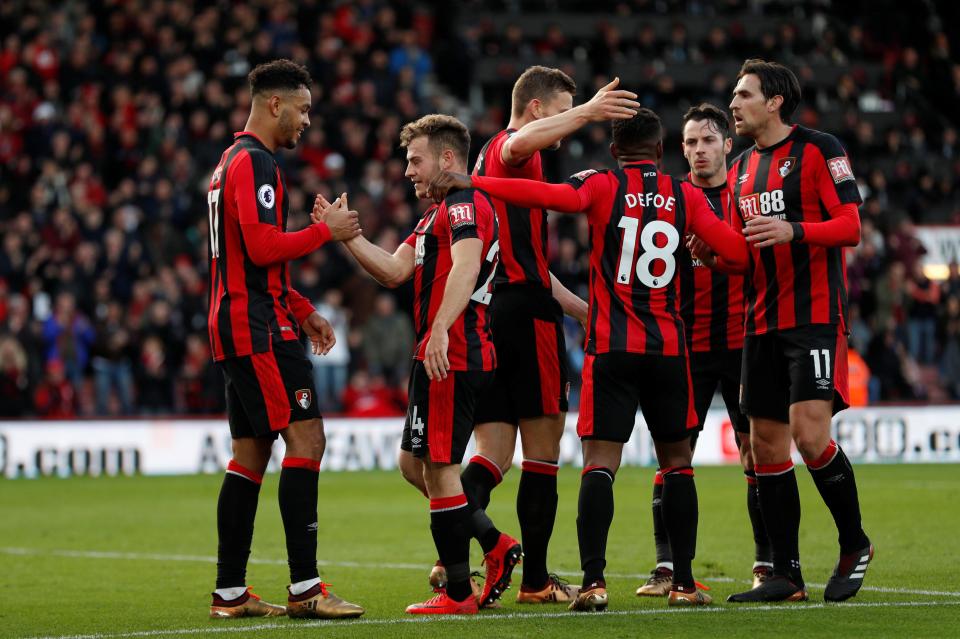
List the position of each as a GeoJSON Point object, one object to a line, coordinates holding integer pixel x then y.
{"type": "Point", "coordinates": [113, 114]}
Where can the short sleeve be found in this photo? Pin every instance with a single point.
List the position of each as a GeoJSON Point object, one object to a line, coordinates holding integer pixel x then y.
{"type": "Point", "coordinates": [255, 188]}
{"type": "Point", "coordinates": [490, 162]}
{"type": "Point", "coordinates": [834, 179]}
{"type": "Point", "coordinates": [461, 212]}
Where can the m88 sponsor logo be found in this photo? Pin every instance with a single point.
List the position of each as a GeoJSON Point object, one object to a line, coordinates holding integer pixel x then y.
{"type": "Point", "coordinates": [768, 203]}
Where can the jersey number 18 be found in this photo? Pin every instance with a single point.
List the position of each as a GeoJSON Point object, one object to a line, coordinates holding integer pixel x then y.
{"type": "Point", "coordinates": [650, 252]}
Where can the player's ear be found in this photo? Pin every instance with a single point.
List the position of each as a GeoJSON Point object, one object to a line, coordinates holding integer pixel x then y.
{"type": "Point", "coordinates": [659, 149]}
{"type": "Point", "coordinates": [727, 146]}
{"type": "Point", "coordinates": [774, 103]}
{"type": "Point", "coordinates": [614, 151]}
{"type": "Point", "coordinates": [536, 108]}
{"type": "Point", "coordinates": [446, 159]}
{"type": "Point", "coordinates": [275, 105]}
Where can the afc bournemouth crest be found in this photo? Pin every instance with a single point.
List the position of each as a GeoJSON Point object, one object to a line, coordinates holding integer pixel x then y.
{"type": "Point", "coordinates": [303, 398]}
{"type": "Point", "coordinates": [785, 166]}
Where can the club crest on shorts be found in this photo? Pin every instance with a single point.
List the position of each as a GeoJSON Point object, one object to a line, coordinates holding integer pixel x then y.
{"type": "Point", "coordinates": [303, 397]}
{"type": "Point", "coordinates": [785, 166]}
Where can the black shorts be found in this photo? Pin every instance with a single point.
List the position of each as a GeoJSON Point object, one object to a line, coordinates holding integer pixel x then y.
{"type": "Point", "coordinates": [615, 383]}
{"type": "Point", "coordinates": [709, 369]}
{"type": "Point", "coordinates": [531, 379]}
{"type": "Point", "coordinates": [440, 413]}
{"type": "Point", "coordinates": [784, 367]}
{"type": "Point", "coordinates": [268, 391]}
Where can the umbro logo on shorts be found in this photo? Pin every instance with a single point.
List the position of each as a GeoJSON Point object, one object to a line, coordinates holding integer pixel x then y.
{"type": "Point", "coordinates": [303, 397]}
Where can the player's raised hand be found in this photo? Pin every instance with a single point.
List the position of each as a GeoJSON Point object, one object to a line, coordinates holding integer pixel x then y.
{"type": "Point", "coordinates": [445, 182]}
{"type": "Point", "coordinates": [611, 103]}
{"type": "Point", "coordinates": [435, 361]}
{"type": "Point", "coordinates": [320, 204]}
{"type": "Point", "coordinates": [344, 224]}
{"type": "Point", "coordinates": [318, 329]}
{"type": "Point", "coordinates": [764, 231]}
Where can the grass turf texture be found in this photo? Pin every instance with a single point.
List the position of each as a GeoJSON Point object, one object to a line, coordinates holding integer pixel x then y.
{"type": "Point", "coordinates": [133, 557]}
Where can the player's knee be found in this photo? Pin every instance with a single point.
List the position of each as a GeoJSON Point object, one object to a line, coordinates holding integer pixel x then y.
{"type": "Point", "coordinates": [765, 451]}
{"type": "Point", "coordinates": [673, 454]}
{"type": "Point", "coordinates": [252, 453]}
{"type": "Point", "coordinates": [810, 443]}
{"type": "Point", "coordinates": [306, 439]}
{"type": "Point", "coordinates": [502, 456]}
{"type": "Point", "coordinates": [547, 449]}
{"type": "Point", "coordinates": [744, 446]}
{"type": "Point", "coordinates": [413, 474]}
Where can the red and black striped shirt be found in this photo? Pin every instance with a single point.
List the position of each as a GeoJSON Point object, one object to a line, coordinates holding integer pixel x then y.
{"type": "Point", "coordinates": [523, 231]}
{"type": "Point", "coordinates": [252, 303]}
{"type": "Point", "coordinates": [711, 302]}
{"type": "Point", "coordinates": [638, 217]}
{"type": "Point", "coordinates": [463, 214]}
{"type": "Point", "coordinates": [806, 178]}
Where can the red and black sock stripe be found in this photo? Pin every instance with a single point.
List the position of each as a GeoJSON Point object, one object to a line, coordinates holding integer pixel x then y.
{"type": "Point", "coordinates": [680, 517]}
{"type": "Point", "coordinates": [236, 510]}
{"type": "Point", "coordinates": [450, 526]}
{"type": "Point", "coordinates": [594, 516]}
{"type": "Point", "coordinates": [780, 504]}
{"type": "Point", "coordinates": [536, 511]}
{"type": "Point", "coordinates": [298, 509]}
{"type": "Point", "coordinates": [833, 476]}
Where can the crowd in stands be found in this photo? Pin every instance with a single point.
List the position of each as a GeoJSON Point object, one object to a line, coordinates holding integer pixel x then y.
{"type": "Point", "coordinates": [113, 115]}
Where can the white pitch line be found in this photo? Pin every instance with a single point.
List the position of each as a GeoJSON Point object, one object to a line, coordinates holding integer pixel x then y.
{"type": "Point", "coordinates": [135, 556]}
{"type": "Point", "coordinates": [309, 625]}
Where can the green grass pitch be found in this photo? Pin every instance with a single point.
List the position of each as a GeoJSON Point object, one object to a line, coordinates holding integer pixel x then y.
{"type": "Point", "coordinates": [132, 557]}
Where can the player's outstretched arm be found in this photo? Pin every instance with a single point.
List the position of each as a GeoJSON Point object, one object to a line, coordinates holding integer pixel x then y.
{"type": "Point", "coordinates": [699, 249]}
{"type": "Point", "coordinates": [609, 103]}
{"type": "Point", "coordinates": [562, 198]}
{"type": "Point", "coordinates": [390, 270]}
{"type": "Point", "coordinates": [571, 304]}
{"type": "Point", "coordinates": [461, 280]}
{"type": "Point", "coordinates": [344, 224]}
{"type": "Point", "coordinates": [266, 244]}
{"type": "Point", "coordinates": [729, 245]}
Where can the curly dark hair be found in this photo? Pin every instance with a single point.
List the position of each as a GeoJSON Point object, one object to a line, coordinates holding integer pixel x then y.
{"type": "Point", "coordinates": [642, 130]}
{"type": "Point", "coordinates": [282, 74]}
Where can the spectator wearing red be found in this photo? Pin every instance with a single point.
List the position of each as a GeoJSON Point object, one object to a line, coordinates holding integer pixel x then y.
{"type": "Point", "coordinates": [56, 397]}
